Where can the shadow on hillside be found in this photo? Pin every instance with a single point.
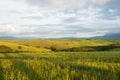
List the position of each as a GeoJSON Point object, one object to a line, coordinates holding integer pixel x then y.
{"type": "Point", "coordinates": [5, 49]}
{"type": "Point", "coordinates": [87, 48]}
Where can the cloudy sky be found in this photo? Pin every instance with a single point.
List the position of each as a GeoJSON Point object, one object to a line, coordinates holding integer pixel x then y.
{"type": "Point", "coordinates": [59, 18]}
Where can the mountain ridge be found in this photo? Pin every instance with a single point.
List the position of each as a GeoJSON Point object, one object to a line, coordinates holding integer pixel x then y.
{"type": "Point", "coordinates": [112, 36]}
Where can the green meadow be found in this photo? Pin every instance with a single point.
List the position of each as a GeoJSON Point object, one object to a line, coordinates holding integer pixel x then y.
{"type": "Point", "coordinates": [59, 60]}
{"type": "Point", "coordinates": [64, 45]}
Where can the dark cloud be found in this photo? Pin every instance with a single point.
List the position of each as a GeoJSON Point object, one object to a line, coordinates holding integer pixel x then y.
{"type": "Point", "coordinates": [113, 4]}
{"type": "Point", "coordinates": [110, 10]}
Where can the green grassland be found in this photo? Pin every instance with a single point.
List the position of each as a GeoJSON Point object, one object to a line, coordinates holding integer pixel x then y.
{"type": "Point", "coordinates": [60, 66]}
{"type": "Point", "coordinates": [64, 45]}
{"type": "Point", "coordinates": [22, 48]}
{"type": "Point", "coordinates": [59, 60]}
{"type": "Point", "coordinates": [61, 43]}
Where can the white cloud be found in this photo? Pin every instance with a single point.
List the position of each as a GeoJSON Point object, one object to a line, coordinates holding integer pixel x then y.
{"type": "Point", "coordinates": [58, 4]}
{"type": "Point", "coordinates": [8, 29]}
{"type": "Point", "coordinates": [59, 18]}
{"type": "Point", "coordinates": [90, 34]}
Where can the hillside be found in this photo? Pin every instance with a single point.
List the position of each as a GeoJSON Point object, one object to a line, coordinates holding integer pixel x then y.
{"type": "Point", "coordinates": [60, 44]}
{"type": "Point", "coordinates": [21, 48]}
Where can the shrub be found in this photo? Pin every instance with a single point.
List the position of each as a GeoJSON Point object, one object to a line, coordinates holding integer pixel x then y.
{"type": "Point", "coordinates": [53, 48]}
{"type": "Point", "coordinates": [19, 47]}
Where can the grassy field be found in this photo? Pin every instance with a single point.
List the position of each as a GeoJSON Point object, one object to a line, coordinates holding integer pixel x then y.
{"type": "Point", "coordinates": [49, 60]}
{"type": "Point", "coordinates": [23, 48]}
{"type": "Point", "coordinates": [61, 44]}
{"type": "Point", "coordinates": [60, 66]}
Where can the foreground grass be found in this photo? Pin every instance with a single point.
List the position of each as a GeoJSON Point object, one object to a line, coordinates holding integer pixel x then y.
{"type": "Point", "coordinates": [60, 66]}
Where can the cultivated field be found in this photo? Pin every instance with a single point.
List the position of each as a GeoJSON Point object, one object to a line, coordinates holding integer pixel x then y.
{"type": "Point", "coordinates": [60, 66]}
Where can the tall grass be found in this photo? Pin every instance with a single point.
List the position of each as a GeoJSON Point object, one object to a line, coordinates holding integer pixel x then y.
{"type": "Point", "coordinates": [60, 66]}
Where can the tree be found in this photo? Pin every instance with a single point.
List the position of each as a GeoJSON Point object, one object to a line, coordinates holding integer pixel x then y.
{"type": "Point", "coordinates": [19, 47]}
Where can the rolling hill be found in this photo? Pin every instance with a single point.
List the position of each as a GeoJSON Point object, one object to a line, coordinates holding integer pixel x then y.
{"type": "Point", "coordinates": [60, 44]}
{"type": "Point", "coordinates": [21, 48]}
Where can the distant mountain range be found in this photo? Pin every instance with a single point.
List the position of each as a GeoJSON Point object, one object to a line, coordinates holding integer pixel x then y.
{"type": "Point", "coordinates": [7, 38]}
{"type": "Point", "coordinates": [114, 36]}
{"type": "Point", "coordinates": [14, 38]}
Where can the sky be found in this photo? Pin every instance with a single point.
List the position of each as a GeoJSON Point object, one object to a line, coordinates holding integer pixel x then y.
{"type": "Point", "coordinates": [59, 18]}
